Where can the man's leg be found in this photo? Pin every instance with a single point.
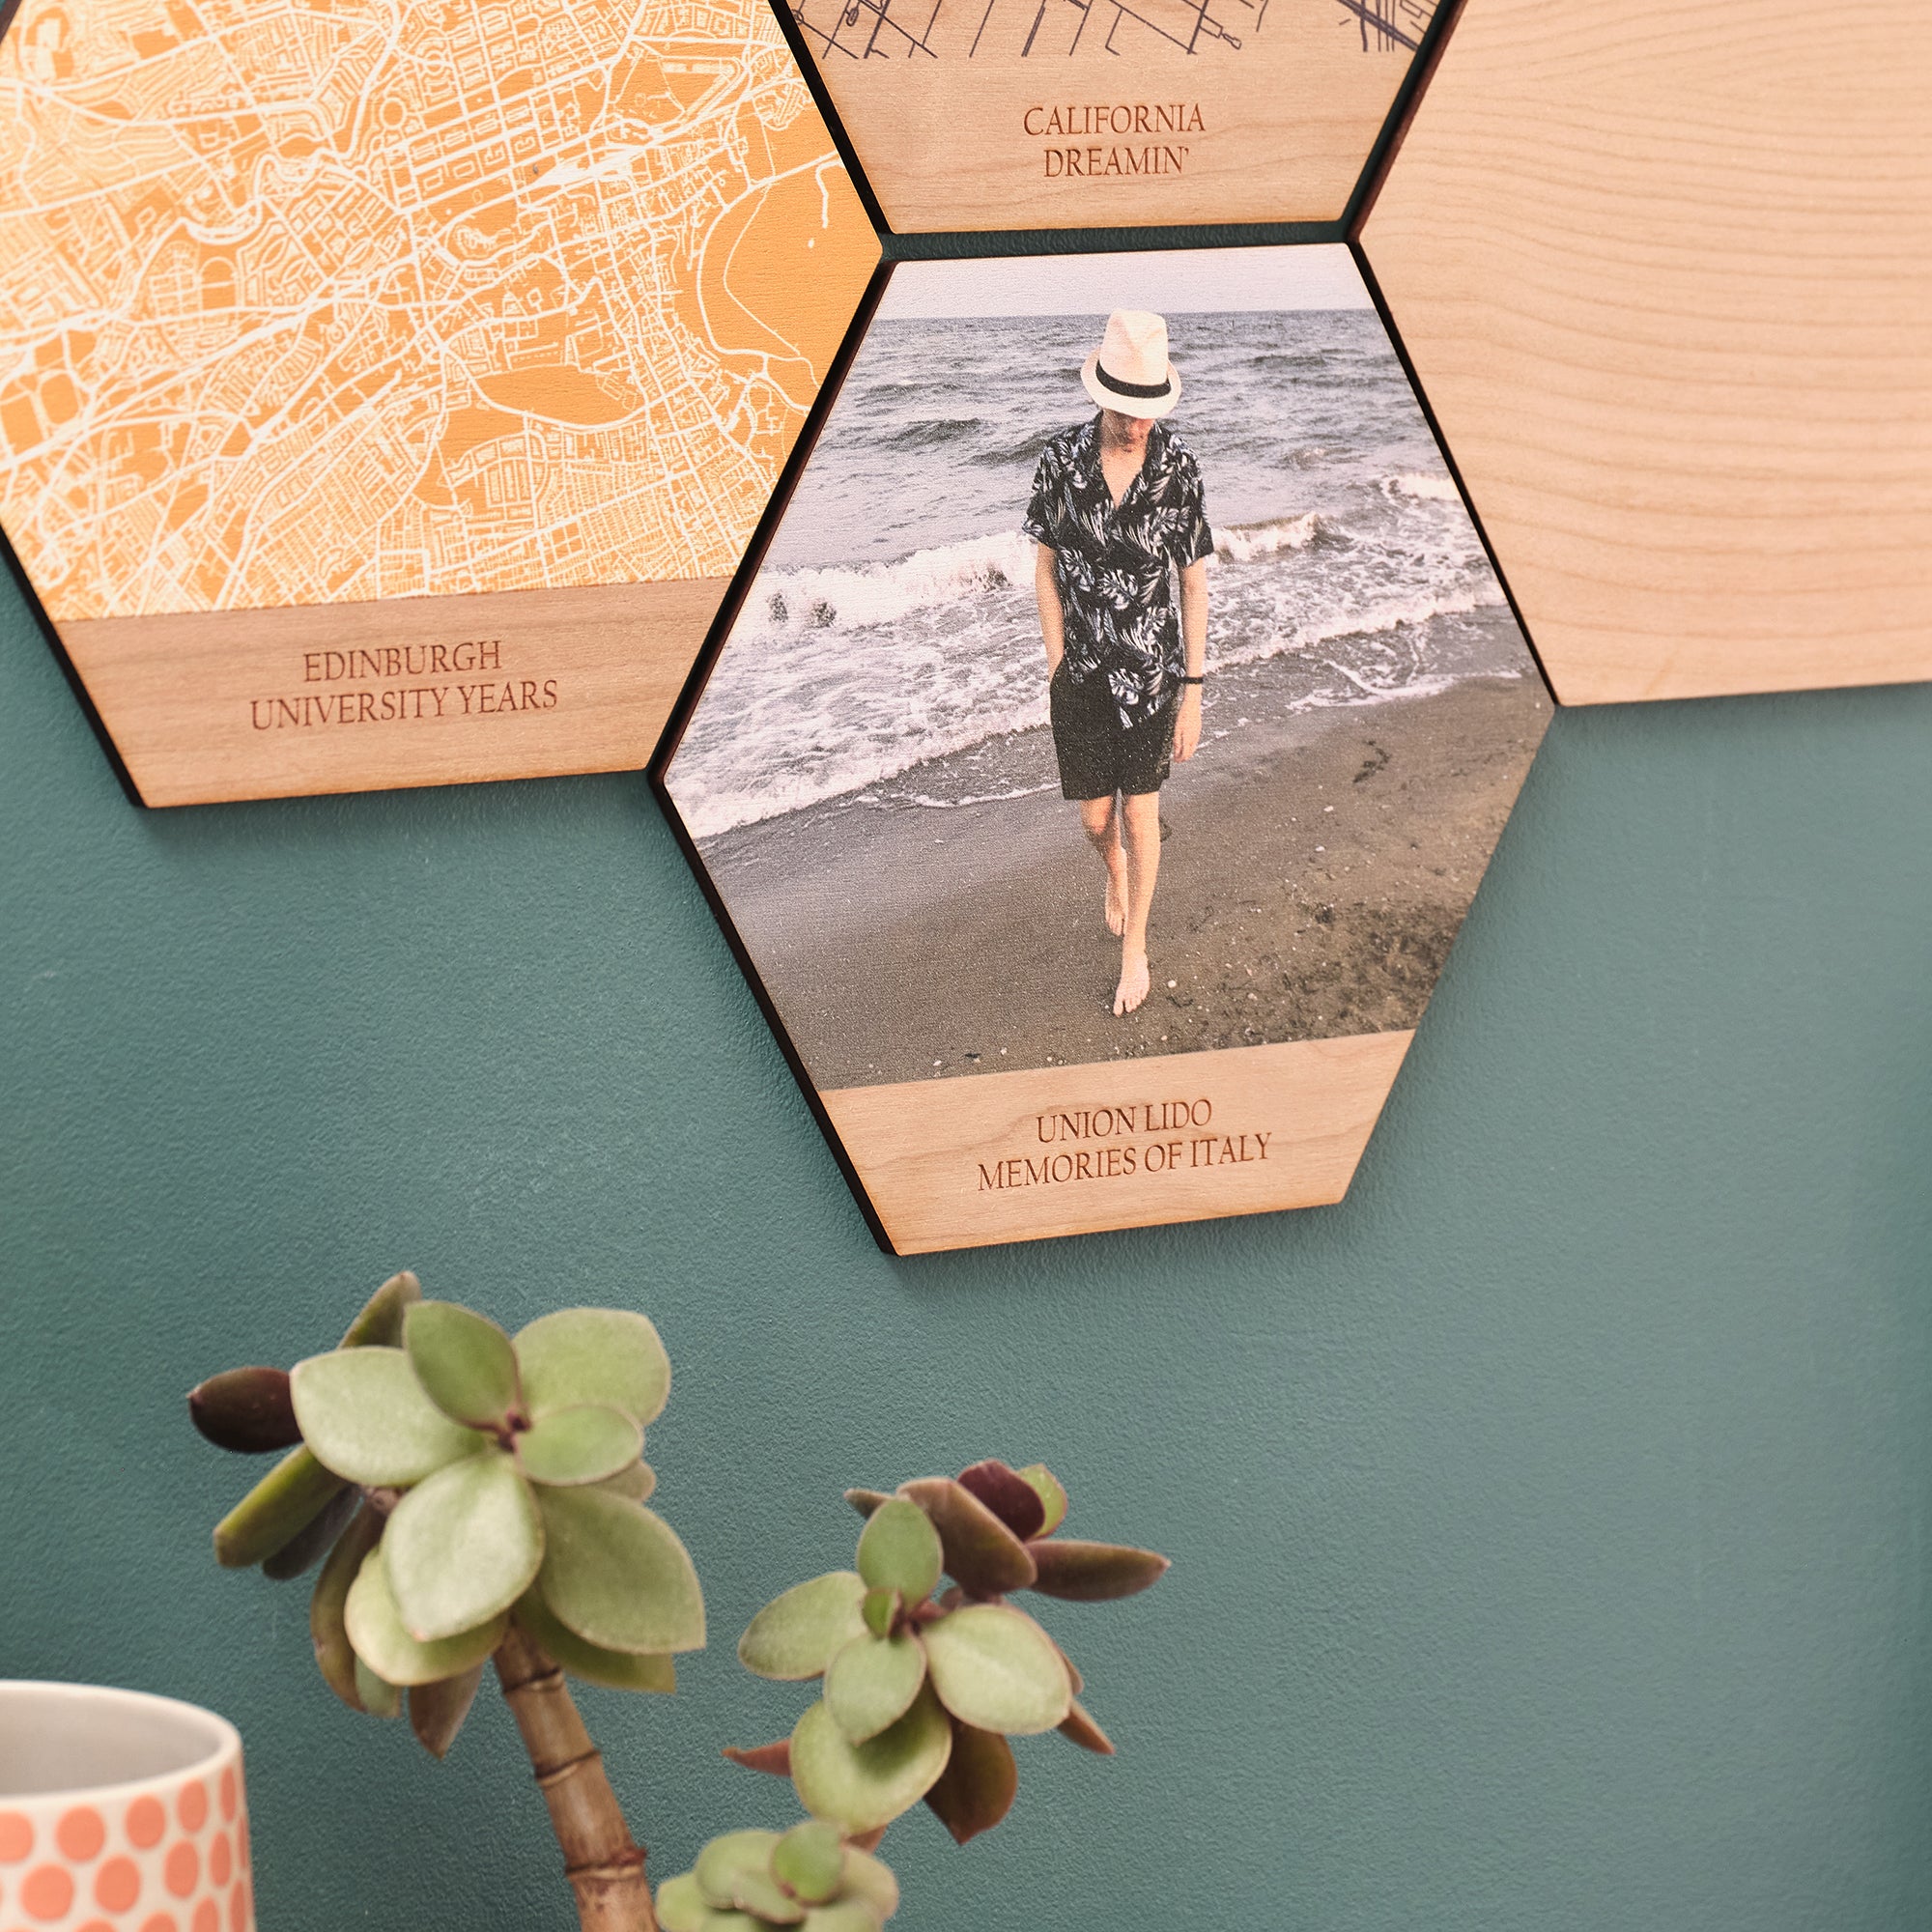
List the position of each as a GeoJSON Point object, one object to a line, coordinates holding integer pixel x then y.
{"type": "Point", "coordinates": [1140, 813]}
{"type": "Point", "coordinates": [1101, 824]}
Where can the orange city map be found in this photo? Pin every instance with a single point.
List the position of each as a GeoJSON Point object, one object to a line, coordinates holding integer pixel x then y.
{"type": "Point", "coordinates": [508, 316]}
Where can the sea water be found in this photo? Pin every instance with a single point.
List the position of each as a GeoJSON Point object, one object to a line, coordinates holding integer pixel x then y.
{"type": "Point", "coordinates": [892, 626]}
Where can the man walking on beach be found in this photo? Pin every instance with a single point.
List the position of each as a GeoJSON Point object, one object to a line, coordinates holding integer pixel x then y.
{"type": "Point", "coordinates": [1118, 512]}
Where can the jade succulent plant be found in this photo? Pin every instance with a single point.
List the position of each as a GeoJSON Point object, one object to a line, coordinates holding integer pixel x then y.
{"type": "Point", "coordinates": [923, 1691]}
{"type": "Point", "coordinates": [480, 1499]}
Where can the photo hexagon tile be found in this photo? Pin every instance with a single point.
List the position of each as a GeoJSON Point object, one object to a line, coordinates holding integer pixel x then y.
{"type": "Point", "coordinates": [388, 393]}
{"type": "Point", "coordinates": [1086, 947]}
{"type": "Point", "coordinates": [1663, 272]}
{"type": "Point", "coordinates": [998, 114]}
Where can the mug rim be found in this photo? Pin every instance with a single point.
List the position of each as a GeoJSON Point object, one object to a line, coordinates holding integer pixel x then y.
{"type": "Point", "coordinates": [226, 1741]}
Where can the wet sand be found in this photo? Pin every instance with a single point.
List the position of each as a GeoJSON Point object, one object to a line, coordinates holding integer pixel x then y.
{"type": "Point", "coordinates": [1317, 869]}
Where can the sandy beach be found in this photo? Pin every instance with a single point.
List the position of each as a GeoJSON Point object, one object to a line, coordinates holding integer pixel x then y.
{"type": "Point", "coordinates": [1316, 870]}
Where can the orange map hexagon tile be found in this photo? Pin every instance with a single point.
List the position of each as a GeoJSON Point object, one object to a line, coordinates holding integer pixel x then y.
{"type": "Point", "coordinates": [388, 393]}
{"type": "Point", "coordinates": [1664, 272]}
{"type": "Point", "coordinates": [874, 776]}
{"type": "Point", "coordinates": [1003, 114]}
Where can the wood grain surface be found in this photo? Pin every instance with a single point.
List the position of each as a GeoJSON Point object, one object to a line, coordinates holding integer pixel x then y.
{"type": "Point", "coordinates": [411, 692]}
{"type": "Point", "coordinates": [1285, 127]}
{"type": "Point", "coordinates": [1665, 274]}
{"type": "Point", "coordinates": [962, 1163]}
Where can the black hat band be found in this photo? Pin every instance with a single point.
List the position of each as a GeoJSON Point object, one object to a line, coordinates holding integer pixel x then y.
{"type": "Point", "coordinates": [1144, 393]}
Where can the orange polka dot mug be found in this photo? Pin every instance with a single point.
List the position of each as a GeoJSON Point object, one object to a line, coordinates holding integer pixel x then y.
{"type": "Point", "coordinates": [120, 1812]}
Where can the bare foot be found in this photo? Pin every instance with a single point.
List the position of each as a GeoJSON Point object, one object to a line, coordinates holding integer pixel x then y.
{"type": "Point", "coordinates": [1134, 983]}
{"type": "Point", "coordinates": [1117, 898]}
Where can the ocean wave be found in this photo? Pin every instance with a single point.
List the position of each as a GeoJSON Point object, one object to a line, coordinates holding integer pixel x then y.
{"type": "Point", "coordinates": [1247, 543]}
{"type": "Point", "coordinates": [1376, 618]}
{"type": "Point", "coordinates": [933, 433]}
{"type": "Point", "coordinates": [1428, 489]}
{"type": "Point", "coordinates": [848, 597]}
{"type": "Point", "coordinates": [1010, 455]}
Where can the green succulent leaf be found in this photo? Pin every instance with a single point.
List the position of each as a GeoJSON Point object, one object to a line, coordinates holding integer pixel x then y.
{"type": "Point", "coordinates": [681, 1906]}
{"type": "Point", "coordinates": [760, 1894]}
{"type": "Point", "coordinates": [722, 1862]}
{"type": "Point", "coordinates": [615, 1669]}
{"type": "Point", "coordinates": [811, 1861]}
{"type": "Point", "coordinates": [978, 1785]}
{"type": "Point", "coordinates": [309, 1545]}
{"type": "Point", "coordinates": [380, 1323]}
{"type": "Point", "coordinates": [871, 1682]}
{"type": "Point", "coordinates": [275, 1511]}
{"type": "Point", "coordinates": [376, 1629]}
{"type": "Point", "coordinates": [880, 1609]}
{"type": "Point", "coordinates": [464, 1545]}
{"type": "Point", "coordinates": [1092, 1573]}
{"type": "Point", "coordinates": [606, 1355]}
{"type": "Point", "coordinates": [590, 1443]}
{"type": "Point", "coordinates": [334, 1655]}
{"type": "Point", "coordinates": [862, 1786]}
{"type": "Point", "coordinates": [437, 1711]}
{"type": "Point", "coordinates": [871, 1881]}
{"type": "Point", "coordinates": [981, 1551]}
{"type": "Point", "coordinates": [1080, 1727]}
{"type": "Point", "coordinates": [366, 1416]}
{"type": "Point", "coordinates": [639, 1482]}
{"type": "Point", "coordinates": [380, 1699]}
{"type": "Point", "coordinates": [465, 1362]}
{"type": "Point", "coordinates": [616, 1573]}
{"type": "Point", "coordinates": [846, 1915]}
{"type": "Point", "coordinates": [995, 1669]}
{"type": "Point", "coordinates": [900, 1550]}
{"type": "Point", "coordinates": [1047, 1487]}
{"type": "Point", "coordinates": [796, 1635]}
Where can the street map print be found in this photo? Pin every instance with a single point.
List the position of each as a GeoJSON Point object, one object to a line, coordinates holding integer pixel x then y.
{"type": "Point", "coordinates": [306, 302]}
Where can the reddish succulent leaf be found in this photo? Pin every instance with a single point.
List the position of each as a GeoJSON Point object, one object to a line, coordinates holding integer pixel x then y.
{"type": "Point", "coordinates": [1092, 1573]}
{"type": "Point", "coordinates": [437, 1711]}
{"type": "Point", "coordinates": [1086, 1733]}
{"type": "Point", "coordinates": [868, 1841]}
{"type": "Point", "coordinates": [248, 1411]}
{"type": "Point", "coordinates": [866, 1501]}
{"type": "Point", "coordinates": [1014, 1501]}
{"type": "Point", "coordinates": [976, 1788]}
{"type": "Point", "coordinates": [981, 1551]}
{"type": "Point", "coordinates": [773, 1759]}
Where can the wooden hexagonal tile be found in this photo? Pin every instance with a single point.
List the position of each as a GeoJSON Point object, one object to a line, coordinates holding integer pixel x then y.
{"type": "Point", "coordinates": [920, 839]}
{"type": "Point", "coordinates": [991, 114]}
{"type": "Point", "coordinates": [387, 393]}
{"type": "Point", "coordinates": [1665, 275]}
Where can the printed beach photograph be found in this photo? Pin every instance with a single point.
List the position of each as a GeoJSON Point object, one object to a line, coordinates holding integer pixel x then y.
{"type": "Point", "coordinates": [1124, 678]}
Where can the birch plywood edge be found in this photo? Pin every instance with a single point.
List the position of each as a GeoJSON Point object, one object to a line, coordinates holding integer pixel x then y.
{"type": "Point", "coordinates": [1664, 273]}
{"type": "Point", "coordinates": [1053, 1151]}
{"type": "Point", "coordinates": [986, 114]}
{"type": "Point", "coordinates": [391, 408]}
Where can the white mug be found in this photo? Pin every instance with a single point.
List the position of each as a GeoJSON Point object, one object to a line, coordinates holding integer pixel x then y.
{"type": "Point", "coordinates": [120, 1812]}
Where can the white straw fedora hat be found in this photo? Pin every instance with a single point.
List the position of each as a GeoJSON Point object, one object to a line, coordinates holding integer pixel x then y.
{"type": "Point", "coordinates": [1129, 372]}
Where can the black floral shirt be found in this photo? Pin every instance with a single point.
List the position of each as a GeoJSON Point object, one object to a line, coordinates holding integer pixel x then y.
{"type": "Point", "coordinates": [1115, 567]}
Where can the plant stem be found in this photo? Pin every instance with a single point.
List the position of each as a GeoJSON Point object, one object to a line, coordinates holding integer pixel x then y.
{"type": "Point", "coordinates": [604, 1865]}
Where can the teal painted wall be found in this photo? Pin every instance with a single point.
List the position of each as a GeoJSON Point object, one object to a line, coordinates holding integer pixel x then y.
{"type": "Point", "coordinates": [1550, 1520]}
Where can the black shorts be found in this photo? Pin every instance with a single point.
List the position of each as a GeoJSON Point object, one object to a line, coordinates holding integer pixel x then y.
{"type": "Point", "coordinates": [1099, 756]}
